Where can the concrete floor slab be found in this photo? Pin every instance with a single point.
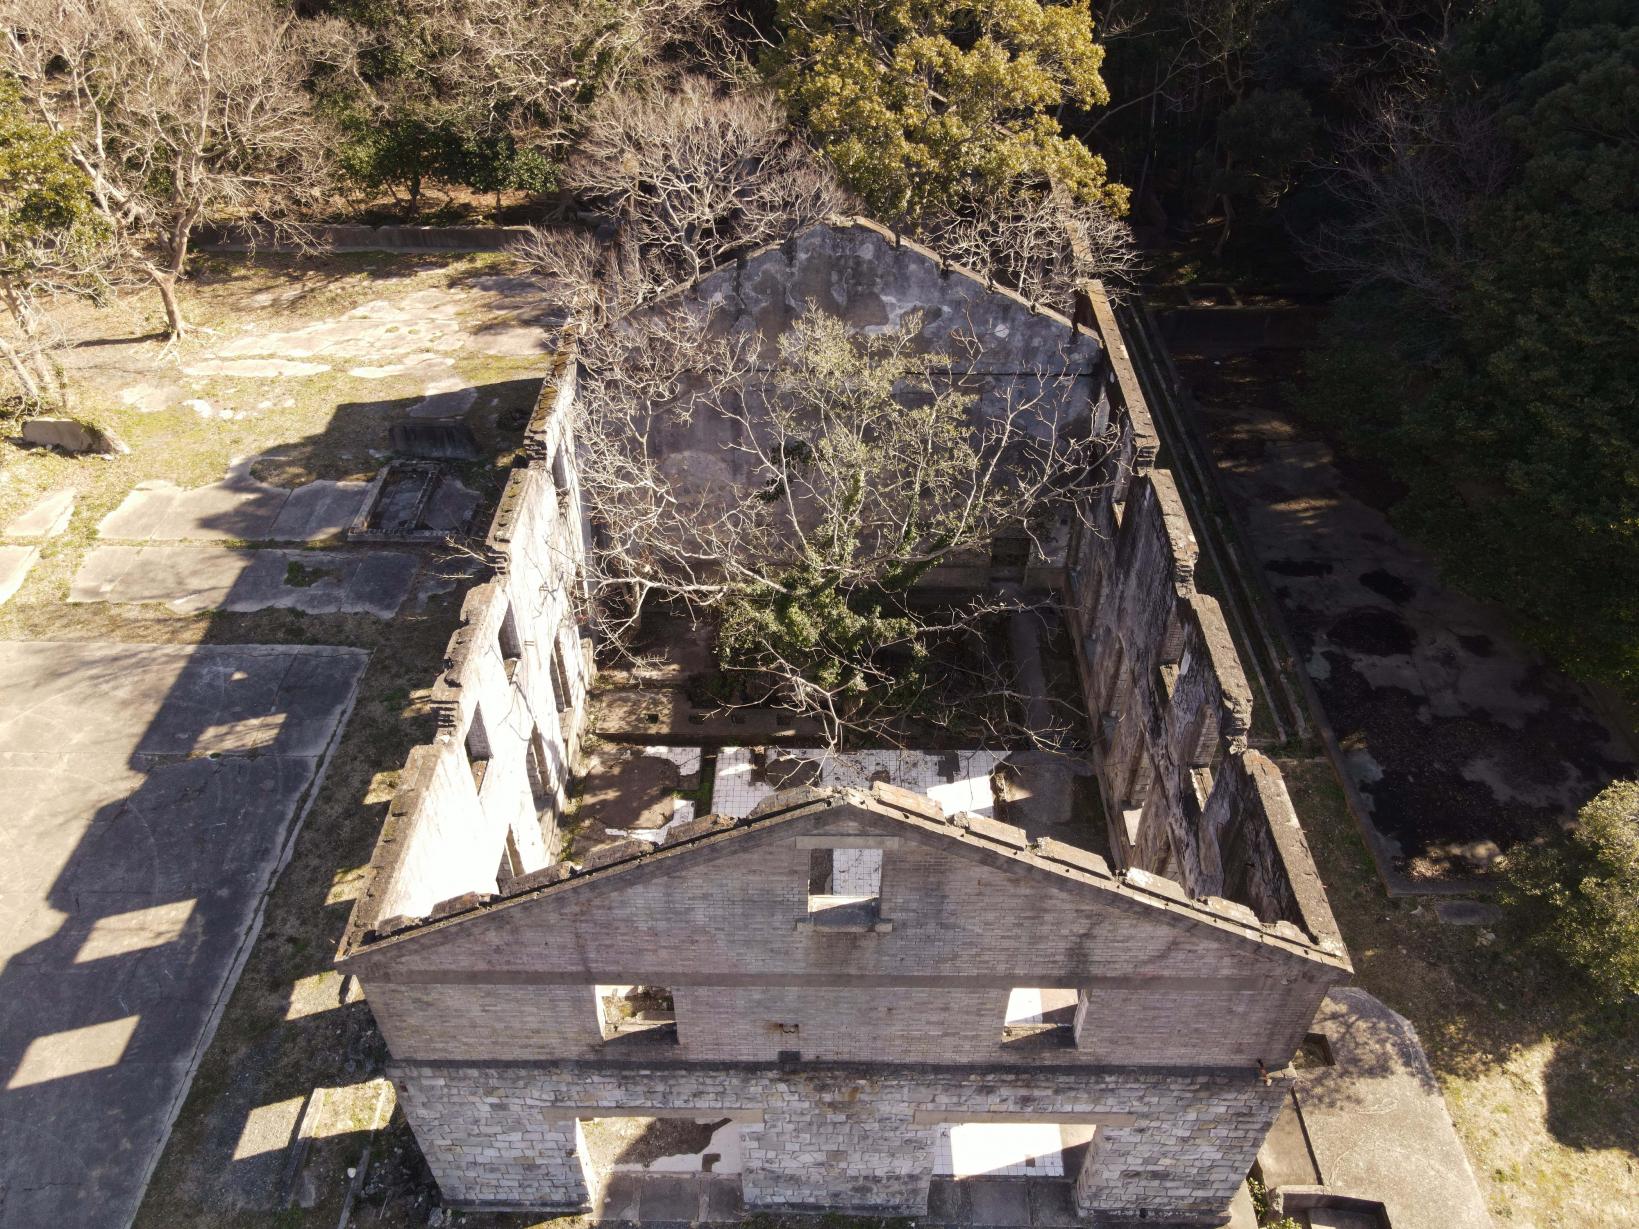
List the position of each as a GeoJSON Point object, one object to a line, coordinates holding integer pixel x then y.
{"type": "Point", "coordinates": [670, 1199]}
{"type": "Point", "coordinates": [15, 562]}
{"type": "Point", "coordinates": [46, 518]}
{"type": "Point", "coordinates": [188, 579]}
{"type": "Point", "coordinates": [1377, 1124]}
{"type": "Point", "coordinates": [140, 840]}
{"type": "Point", "coordinates": [318, 510]}
{"type": "Point", "coordinates": [1052, 1204]}
{"type": "Point", "coordinates": [239, 507]}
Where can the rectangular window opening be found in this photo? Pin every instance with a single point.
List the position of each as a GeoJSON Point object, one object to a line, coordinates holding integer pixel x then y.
{"type": "Point", "coordinates": [643, 1015]}
{"type": "Point", "coordinates": [844, 887]}
{"type": "Point", "coordinates": [543, 789]}
{"type": "Point", "coordinates": [560, 479]}
{"type": "Point", "coordinates": [1043, 1018]}
{"type": "Point", "coordinates": [477, 745]}
{"type": "Point", "coordinates": [560, 673]}
{"type": "Point", "coordinates": [964, 1150]}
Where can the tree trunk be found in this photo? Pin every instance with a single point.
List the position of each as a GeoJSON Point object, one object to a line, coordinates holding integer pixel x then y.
{"type": "Point", "coordinates": [43, 380]}
{"type": "Point", "coordinates": [165, 282]}
{"type": "Point", "coordinates": [166, 279]}
{"type": "Point", "coordinates": [25, 378]}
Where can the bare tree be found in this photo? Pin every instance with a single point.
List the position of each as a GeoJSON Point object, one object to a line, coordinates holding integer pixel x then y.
{"type": "Point", "coordinates": [687, 176]}
{"type": "Point", "coordinates": [175, 110]}
{"type": "Point", "coordinates": [1038, 243]}
{"type": "Point", "coordinates": [535, 60]}
{"type": "Point", "coordinates": [483, 69]}
{"type": "Point", "coordinates": [1409, 178]}
{"type": "Point", "coordinates": [800, 498]}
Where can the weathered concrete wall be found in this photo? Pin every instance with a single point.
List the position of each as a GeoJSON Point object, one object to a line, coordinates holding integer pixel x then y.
{"type": "Point", "coordinates": [973, 914]}
{"type": "Point", "coordinates": [481, 801]}
{"type": "Point", "coordinates": [1018, 358]}
{"type": "Point", "coordinates": [1169, 1146]}
{"type": "Point", "coordinates": [1170, 705]}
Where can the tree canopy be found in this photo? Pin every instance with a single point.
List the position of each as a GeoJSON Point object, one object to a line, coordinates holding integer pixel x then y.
{"type": "Point", "coordinates": [921, 101]}
{"type": "Point", "coordinates": [1495, 372]}
{"type": "Point", "coordinates": [1590, 885]}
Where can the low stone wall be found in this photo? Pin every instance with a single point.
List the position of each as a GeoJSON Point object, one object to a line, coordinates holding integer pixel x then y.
{"type": "Point", "coordinates": [344, 237]}
{"type": "Point", "coordinates": [1168, 1146]}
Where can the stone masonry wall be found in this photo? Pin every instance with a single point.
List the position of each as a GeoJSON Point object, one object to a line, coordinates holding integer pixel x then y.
{"type": "Point", "coordinates": [723, 926]}
{"type": "Point", "coordinates": [480, 803]}
{"type": "Point", "coordinates": [1169, 1146]}
{"type": "Point", "coordinates": [843, 1050]}
{"type": "Point", "coordinates": [1015, 356]}
{"type": "Point", "coordinates": [1170, 706]}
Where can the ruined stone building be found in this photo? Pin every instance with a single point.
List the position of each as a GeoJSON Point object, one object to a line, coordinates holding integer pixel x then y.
{"type": "Point", "coordinates": [851, 973]}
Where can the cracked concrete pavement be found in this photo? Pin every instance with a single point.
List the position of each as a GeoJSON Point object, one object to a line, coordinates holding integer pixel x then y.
{"type": "Point", "coordinates": [153, 791]}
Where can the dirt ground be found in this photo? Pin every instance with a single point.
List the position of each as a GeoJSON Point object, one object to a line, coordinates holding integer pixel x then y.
{"type": "Point", "coordinates": [372, 338]}
{"type": "Point", "coordinates": [1461, 741]}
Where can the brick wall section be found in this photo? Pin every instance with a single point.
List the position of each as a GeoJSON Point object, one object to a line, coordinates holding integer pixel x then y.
{"type": "Point", "coordinates": [719, 923]}
{"type": "Point", "coordinates": [1173, 1145]}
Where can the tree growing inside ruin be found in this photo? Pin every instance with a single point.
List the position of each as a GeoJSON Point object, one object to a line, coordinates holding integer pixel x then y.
{"type": "Point", "coordinates": [921, 102]}
{"type": "Point", "coordinates": [849, 468]}
{"type": "Point", "coordinates": [175, 111]}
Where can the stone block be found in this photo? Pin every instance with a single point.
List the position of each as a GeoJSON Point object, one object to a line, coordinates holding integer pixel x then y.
{"type": "Point", "coordinates": [1070, 855]}
{"type": "Point", "coordinates": [457, 904]}
{"type": "Point", "coordinates": [705, 825]}
{"type": "Point", "coordinates": [995, 830]}
{"type": "Point", "coordinates": [70, 436]}
{"type": "Point", "coordinates": [619, 851]}
{"type": "Point", "coordinates": [908, 800]}
{"type": "Point", "coordinates": [47, 518]}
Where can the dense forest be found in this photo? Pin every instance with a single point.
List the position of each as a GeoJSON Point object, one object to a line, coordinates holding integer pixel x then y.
{"type": "Point", "coordinates": [1458, 177]}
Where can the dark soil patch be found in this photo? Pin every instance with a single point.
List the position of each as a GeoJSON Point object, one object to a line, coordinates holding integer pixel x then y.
{"type": "Point", "coordinates": [1423, 802]}
{"type": "Point", "coordinates": [1386, 584]}
{"type": "Point", "coordinates": [1373, 632]}
{"type": "Point", "coordinates": [1477, 645]}
{"type": "Point", "coordinates": [1298, 567]}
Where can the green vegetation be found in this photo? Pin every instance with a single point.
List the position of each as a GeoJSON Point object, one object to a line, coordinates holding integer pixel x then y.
{"type": "Point", "coordinates": [1585, 892]}
{"type": "Point", "coordinates": [1495, 373]}
{"type": "Point", "coordinates": [862, 463]}
{"type": "Point", "coordinates": [924, 102]}
{"type": "Point", "coordinates": [49, 239]}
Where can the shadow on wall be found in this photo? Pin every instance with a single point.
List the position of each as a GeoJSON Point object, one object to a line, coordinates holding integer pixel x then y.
{"type": "Point", "coordinates": [154, 794]}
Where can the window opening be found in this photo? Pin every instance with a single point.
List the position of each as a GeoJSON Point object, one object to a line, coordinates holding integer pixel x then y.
{"type": "Point", "coordinates": [477, 744]}
{"type": "Point", "coordinates": [510, 645]}
{"type": "Point", "coordinates": [560, 673]}
{"type": "Point", "coordinates": [1040, 1017]}
{"type": "Point", "coordinates": [644, 1014]}
{"type": "Point", "coordinates": [844, 887]}
{"type": "Point", "coordinates": [512, 862]}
